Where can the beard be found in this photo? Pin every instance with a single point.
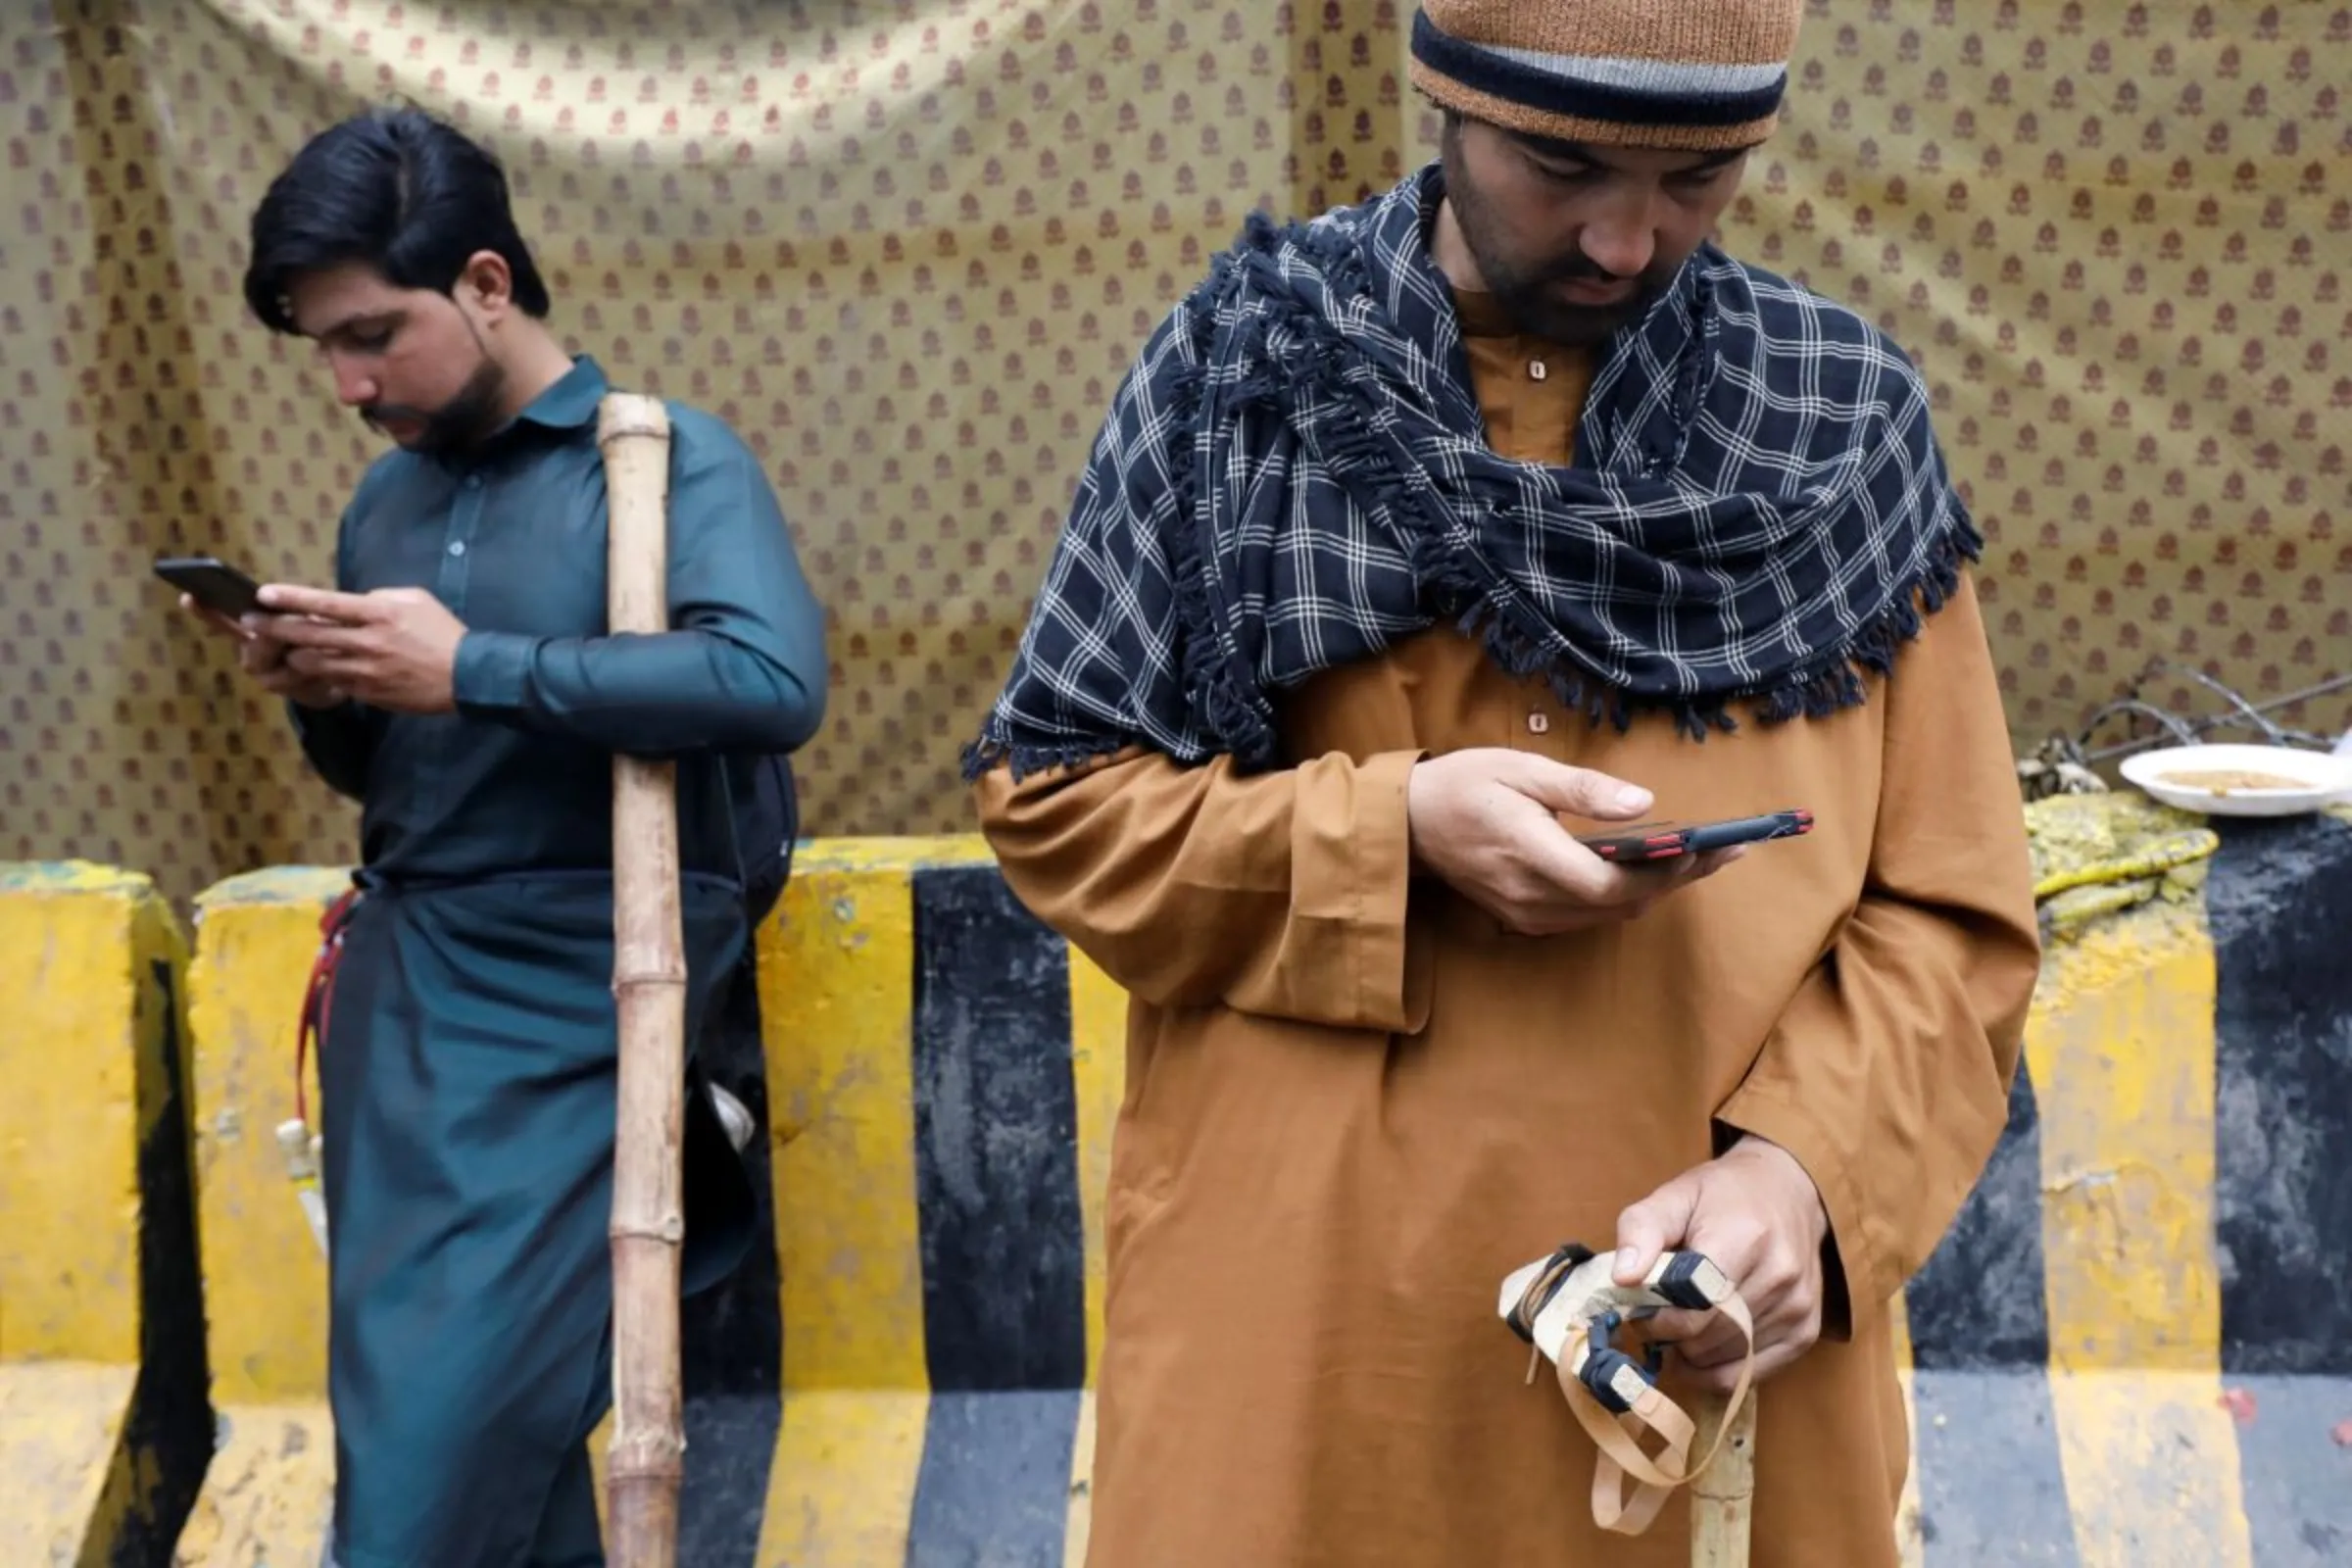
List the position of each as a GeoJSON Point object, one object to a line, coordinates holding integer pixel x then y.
{"type": "Point", "coordinates": [468, 415]}
{"type": "Point", "coordinates": [1527, 287]}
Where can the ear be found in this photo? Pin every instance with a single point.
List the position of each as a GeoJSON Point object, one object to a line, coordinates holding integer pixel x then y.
{"type": "Point", "coordinates": [485, 289]}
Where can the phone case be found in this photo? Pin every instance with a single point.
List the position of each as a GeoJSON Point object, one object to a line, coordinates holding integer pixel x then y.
{"type": "Point", "coordinates": [1665, 841]}
{"type": "Point", "coordinates": [1642, 844]}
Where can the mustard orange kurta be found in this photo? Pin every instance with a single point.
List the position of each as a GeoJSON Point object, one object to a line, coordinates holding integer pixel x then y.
{"type": "Point", "coordinates": [1353, 1104]}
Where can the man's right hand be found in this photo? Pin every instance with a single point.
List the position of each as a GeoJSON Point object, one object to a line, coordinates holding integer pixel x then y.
{"type": "Point", "coordinates": [1487, 821]}
{"type": "Point", "coordinates": [264, 658]}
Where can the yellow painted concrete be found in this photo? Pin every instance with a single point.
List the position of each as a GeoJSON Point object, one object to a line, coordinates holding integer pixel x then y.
{"type": "Point", "coordinates": [62, 1458]}
{"type": "Point", "coordinates": [1909, 1537]}
{"type": "Point", "coordinates": [837, 1000]}
{"type": "Point", "coordinates": [2121, 1046]}
{"type": "Point", "coordinates": [1099, 1072]}
{"type": "Point", "coordinates": [837, 1003]}
{"type": "Point", "coordinates": [842, 1492]}
{"type": "Point", "coordinates": [90, 970]}
{"type": "Point", "coordinates": [74, 940]}
{"type": "Point", "coordinates": [265, 1279]}
{"type": "Point", "coordinates": [269, 1492]}
{"type": "Point", "coordinates": [1082, 1484]}
{"type": "Point", "coordinates": [267, 1495]}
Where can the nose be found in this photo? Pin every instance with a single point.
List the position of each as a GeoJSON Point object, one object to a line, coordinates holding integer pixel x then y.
{"type": "Point", "coordinates": [355, 384]}
{"type": "Point", "coordinates": [1621, 236]}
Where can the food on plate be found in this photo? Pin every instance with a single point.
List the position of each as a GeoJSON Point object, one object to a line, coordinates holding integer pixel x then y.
{"type": "Point", "coordinates": [2226, 780]}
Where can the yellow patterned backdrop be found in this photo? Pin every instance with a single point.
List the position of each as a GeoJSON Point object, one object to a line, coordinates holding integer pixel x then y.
{"type": "Point", "coordinates": [907, 246]}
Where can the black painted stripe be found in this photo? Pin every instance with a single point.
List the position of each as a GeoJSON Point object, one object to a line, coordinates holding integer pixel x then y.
{"type": "Point", "coordinates": [1003, 1249]}
{"type": "Point", "coordinates": [996, 1127]}
{"type": "Point", "coordinates": [2278, 898]}
{"type": "Point", "coordinates": [730, 1452]}
{"type": "Point", "coordinates": [995, 1484]}
{"type": "Point", "coordinates": [171, 1423]}
{"type": "Point", "coordinates": [1981, 1301]}
{"type": "Point", "coordinates": [1992, 1485]}
{"type": "Point", "coordinates": [1498, 77]}
{"type": "Point", "coordinates": [1980, 1351]}
{"type": "Point", "coordinates": [733, 1335]}
{"type": "Point", "coordinates": [2298, 1509]}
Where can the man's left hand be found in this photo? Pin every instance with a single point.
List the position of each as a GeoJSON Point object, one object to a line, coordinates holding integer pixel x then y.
{"type": "Point", "coordinates": [394, 649]}
{"type": "Point", "coordinates": [1757, 1217]}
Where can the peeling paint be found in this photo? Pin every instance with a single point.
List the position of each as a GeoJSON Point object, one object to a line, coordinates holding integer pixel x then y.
{"type": "Point", "coordinates": [309, 886]}
{"type": "Point", "coordinates": [44, 878]}
{"type": "Point", "coordinates": [268, 1496]}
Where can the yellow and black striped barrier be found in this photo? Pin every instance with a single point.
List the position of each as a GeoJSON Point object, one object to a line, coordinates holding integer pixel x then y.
{"type": "Point", "coordinates": [2128, 1350]}
{"type": "Point", "coordinates": [103, 1427]}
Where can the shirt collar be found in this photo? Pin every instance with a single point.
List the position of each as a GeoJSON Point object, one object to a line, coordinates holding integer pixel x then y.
{"type": "Point", "coordinates": [570, 403]}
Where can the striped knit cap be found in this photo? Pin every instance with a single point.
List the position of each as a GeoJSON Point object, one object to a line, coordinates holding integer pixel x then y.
{"type": "Point", "coordinates": [1691, 75]}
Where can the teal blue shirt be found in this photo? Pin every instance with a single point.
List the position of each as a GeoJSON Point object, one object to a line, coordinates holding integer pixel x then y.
{"type": "Point", "coordinates": [511, 537]}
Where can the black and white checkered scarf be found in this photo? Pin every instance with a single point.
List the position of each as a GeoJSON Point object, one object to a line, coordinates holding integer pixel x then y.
{"type": "Point", "coordinates": [1294, 477]}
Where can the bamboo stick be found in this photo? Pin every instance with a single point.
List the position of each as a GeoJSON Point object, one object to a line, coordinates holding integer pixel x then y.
{"type": "Point", "coordinates": [647, 1458]}
{"type": "Point", "coordinates": [1722, 1495]}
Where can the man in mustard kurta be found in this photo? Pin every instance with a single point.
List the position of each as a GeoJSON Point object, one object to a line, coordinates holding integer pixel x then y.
{"type": "Point", "coordinates": [1420, 539]}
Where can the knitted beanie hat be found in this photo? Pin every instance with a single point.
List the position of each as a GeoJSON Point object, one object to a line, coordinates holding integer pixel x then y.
{"type": "Point", "coordinates": [1696, 75]}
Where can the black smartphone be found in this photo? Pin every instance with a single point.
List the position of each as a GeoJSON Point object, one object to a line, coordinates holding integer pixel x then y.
{"type": "Point", "coordinates": [1663, 841]}
{"type": "Point", "coordinates": [211, 583]}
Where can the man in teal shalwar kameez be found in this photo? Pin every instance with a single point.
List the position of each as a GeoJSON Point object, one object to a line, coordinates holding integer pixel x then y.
{"type": "Point", "coordinates": [459, 682]}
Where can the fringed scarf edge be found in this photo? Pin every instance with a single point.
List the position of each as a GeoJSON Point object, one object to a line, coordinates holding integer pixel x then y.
{"type": "Point", "coordinates": [1465, 587]}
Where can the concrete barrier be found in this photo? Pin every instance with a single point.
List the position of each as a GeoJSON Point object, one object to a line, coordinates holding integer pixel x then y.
{"type": "Point", "coordinates": [944, 1078]}
{"type": "Point", "coordinates": [936, 1082]}
{"type": "Point", "coordinates": [103, 1424]}
{"type": "Point", "coordinates": [2126, 1351]}
{"type": "Point", "coordinates": [265, 1499]}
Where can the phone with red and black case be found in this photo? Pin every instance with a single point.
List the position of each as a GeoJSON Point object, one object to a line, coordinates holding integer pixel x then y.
{"type": "Point", "coordinates": [1665, 841]}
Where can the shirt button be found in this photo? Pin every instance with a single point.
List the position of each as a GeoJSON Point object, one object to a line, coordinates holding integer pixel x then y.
{"type": "Point", "coordinates": [473, 481]}
{"type": "Point", "coordinates": [456, 547]}
{"type": "Point", "coordinates": [1538, 723]}
{"type": "Point", "coordinates": [1536, 371]}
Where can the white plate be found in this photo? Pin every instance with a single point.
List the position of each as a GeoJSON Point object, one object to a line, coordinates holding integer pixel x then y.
{"type": "Point", "coordinates": [2322, 779]}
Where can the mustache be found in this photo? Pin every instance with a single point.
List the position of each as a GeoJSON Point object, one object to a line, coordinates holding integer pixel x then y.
{"type": "Point", "coordinates": [1578, 268]}
{"type": "Point", "coordinates": [377, 413]}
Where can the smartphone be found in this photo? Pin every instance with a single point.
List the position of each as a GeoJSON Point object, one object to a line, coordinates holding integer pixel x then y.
{"type": "Point", "coordinates": [1663, 841]}
{"type": "Point", "coordinates": [211, 583]}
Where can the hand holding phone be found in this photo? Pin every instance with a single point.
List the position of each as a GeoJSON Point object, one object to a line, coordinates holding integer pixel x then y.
{"type": "Point", "coordinates": [1487, 822]}
{"type": "Point", "coordinates": [221, 596]}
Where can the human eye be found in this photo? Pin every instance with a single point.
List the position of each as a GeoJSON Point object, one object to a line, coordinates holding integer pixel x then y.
{"type": "Point", "coordinates": [1564, 171]}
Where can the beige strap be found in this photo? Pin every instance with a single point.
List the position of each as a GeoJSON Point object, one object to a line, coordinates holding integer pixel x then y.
{"type": "Point", "coordinates": [1619, 1438]}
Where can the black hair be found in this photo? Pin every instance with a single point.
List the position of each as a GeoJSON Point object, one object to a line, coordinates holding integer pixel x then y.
{"type": "Point", "coordinates": [396, 189]}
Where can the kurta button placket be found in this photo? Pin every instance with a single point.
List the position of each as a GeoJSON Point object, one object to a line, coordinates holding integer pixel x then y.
{"type": "Point", "coordinates": [465, 523]}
